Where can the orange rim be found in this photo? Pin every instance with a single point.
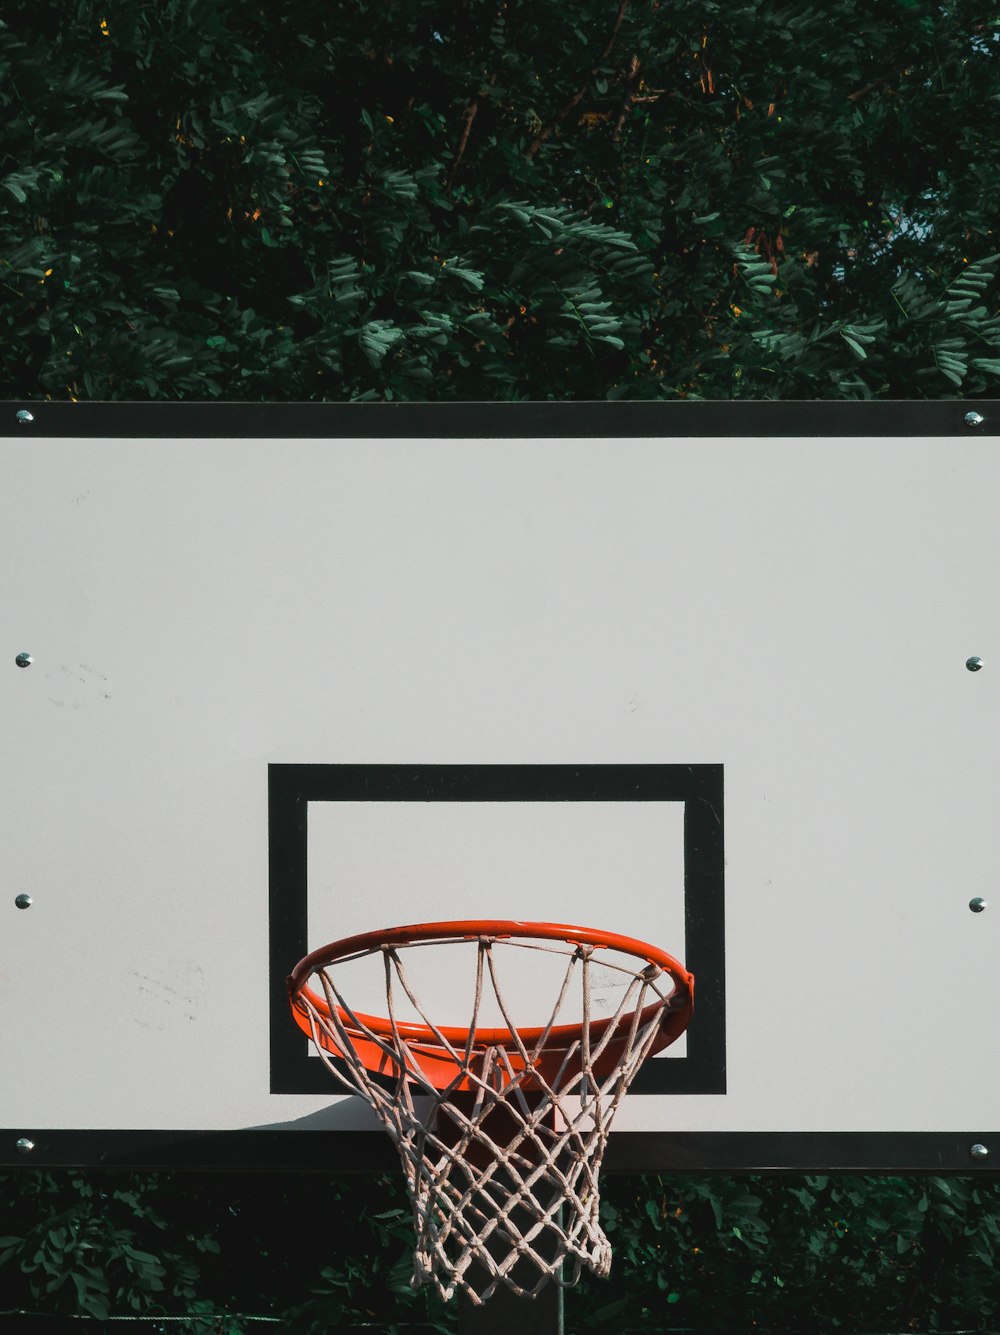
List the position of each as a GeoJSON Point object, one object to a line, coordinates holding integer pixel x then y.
{"type": "Point", "coordinates": [560, 1036]}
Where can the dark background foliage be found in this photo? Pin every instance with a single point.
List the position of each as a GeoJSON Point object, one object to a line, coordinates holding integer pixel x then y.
{"type": "Point", "coordinates": [311, 1254]}
{"type": "Point", "coordinates": [499, 199]}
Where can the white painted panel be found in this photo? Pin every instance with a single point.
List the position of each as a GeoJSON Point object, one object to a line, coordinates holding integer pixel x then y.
{"type": "Point", "coordinates": [799, 611]}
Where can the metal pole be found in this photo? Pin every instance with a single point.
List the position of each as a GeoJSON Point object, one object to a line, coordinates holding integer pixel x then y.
{"type": "Point", "coordinates": [505, 1313]}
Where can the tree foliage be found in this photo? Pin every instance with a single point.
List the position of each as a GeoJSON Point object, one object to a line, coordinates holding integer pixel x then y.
{"type": "Point", "coordinates": [308, 1254]}
{"type": "Point", "coordinates": [800, 1256]}
{"type": "Point", "coordinates": [499, 199]}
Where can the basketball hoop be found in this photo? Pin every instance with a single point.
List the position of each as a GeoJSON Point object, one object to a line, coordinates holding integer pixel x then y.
{"type": "Point", "coordinates": [503, 1152]}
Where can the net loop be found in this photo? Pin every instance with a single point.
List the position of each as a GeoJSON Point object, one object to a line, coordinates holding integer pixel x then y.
{"type": "Point", "coordinates": [501, 1132]}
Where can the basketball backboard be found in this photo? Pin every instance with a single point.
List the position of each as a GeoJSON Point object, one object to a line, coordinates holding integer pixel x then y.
{"type": "Point", "coordinates": [693, 673]}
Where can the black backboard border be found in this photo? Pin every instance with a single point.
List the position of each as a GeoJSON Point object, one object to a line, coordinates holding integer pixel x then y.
{"type": "Point", "coordinates": [699, 787]}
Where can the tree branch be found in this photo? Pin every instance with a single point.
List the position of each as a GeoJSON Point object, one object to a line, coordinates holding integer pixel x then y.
{"type": "Point", "coordinates": [471, 112]}
{"type": "Point", "coordinates": [628, 99]}
{"type": "Point", "coordinates": [547, 130]}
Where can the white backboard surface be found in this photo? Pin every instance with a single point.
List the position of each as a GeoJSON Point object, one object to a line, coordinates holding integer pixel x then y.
{"type": "Point", "coordinates": [708, 692]}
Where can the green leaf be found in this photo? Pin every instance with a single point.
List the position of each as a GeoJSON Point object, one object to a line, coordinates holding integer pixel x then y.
{"type": "Point", "coordinates": [376, 340]}
{"type": "Point", "coordinates": [468, 276]}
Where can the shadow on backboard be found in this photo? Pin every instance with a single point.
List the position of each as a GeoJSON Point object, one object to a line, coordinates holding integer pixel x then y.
{"type": "Point", "coordinates": [347, 1113]}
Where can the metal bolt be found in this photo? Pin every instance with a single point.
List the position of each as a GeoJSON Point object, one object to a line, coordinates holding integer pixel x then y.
{"type": "Point", "coordinates": [977, 905]}
{"type": "Point", "coordinates": [974, 420]}
{"type": "Point", "coordinates": [24, 417]}
{"type": "Point", "coordinates": [23, 901]}
{"type": "Point", "coordinates": [24, 660]}
{"type": "Point", "coordinates": [974, 663]}
{"type": "Point", "coordinates": [979, 1151]}
{"type": "Point", "coordinates": [24, 1145]}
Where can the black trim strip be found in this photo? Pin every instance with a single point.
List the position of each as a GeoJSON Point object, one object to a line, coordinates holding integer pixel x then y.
{"type": "Point", "coordinates": [600, 419]}
{"type": "Point", "coordinates": [700, 787]}
{"type": "Point", "coordinates": [865, 1152]}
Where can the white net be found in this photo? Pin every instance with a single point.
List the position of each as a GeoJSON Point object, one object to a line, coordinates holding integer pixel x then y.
{"type": "Point", "coordinates": [501, 1133]}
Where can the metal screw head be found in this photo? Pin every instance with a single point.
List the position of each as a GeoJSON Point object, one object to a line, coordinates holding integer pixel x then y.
{"type": "Point", "coordinates": [23, 901]}
{"type": "Point", "coordinates": [24, 1145]}
{"type": "Point", "coordinates": [24, 417]}
{"type": "Point", "coordinates": [979, 1151]}
{"type": "Point", "coordinates": [974, 420]}
{"type": "Point", "coordinates": [24, 660]}
{"type": "Point", "coordinates": [977, 905]}
{"type": "Point", "coordinates": [974, 663]}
